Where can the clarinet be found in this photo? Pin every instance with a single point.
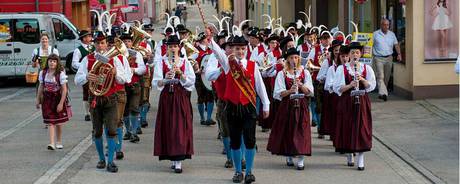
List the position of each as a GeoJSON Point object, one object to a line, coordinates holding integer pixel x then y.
{"type": "Point", "coordinates": [296, 100]}
{"type": "Point", "coordinates": [356, 79]}
{"type": "Point", "coordinates": [173, 64]}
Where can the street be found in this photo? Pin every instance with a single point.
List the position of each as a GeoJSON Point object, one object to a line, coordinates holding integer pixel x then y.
{"type": "Point", "coordinates": [414, 142]}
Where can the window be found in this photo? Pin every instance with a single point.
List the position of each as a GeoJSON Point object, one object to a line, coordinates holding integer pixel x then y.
{"type": "Point", "coordinates": [61, 30]}
{"type": "Point", "coordinates": [5, 30]}
{"type": "Point", "coordinates": [26, 31]}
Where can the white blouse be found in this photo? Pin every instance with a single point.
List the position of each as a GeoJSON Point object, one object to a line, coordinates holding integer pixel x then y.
{"type": "Point", "coordinates": [123, 75]}
{"type": "Point", "coordinates": [339, 79]}
{"type": "Point", "coordinates": [328, 84]}
{"type": "Point", "coordinates": [51, 78]}
{"type": "Point", "coordinates": [188, 82]}
{"type": "Point", "coordinates": [47, 53]}
{"type": "Point", "coordinates": [323, 70]}
{"type": "Point", "coordinates": [280, 83]}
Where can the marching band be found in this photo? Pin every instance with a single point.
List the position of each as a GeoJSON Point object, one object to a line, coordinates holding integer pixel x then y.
{"type": "Point", "coordinates": [281, 78]}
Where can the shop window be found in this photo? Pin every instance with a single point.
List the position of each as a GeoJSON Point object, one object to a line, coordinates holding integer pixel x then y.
{"type": "Point", "coordinates": [62, 31]}
{"type": "Point", "coordinates": [26, 31]}
{"type": "Point", "coordinates": [5, 30]}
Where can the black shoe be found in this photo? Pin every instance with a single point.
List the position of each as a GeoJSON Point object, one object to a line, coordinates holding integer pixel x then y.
{"type": "Point", "coordinates": [101, 164]}
{"type": "Point", "coordinates": [178, 170]}
{"type": "Point", "coordinates": [385, 98]}
{"type": "Point", "coordinates": [313, 123]}
{"type": "Point", "coordinates": [224, 152]}
{"type": "Point", "coordinates": [320, 136]}
{"type": "Point", "coordinates": [228, 164]}
{"type": "Point", "coordinates": [111, 167]}
{"type": "Point", "coordinates": [237, 177]}
{"type": "Point", "coordinates": [300, 168]}
{"type": "Point", "coordinates": [119, 155]}
{"type": "Point", "coordinates": [203, 122]}
{"type": "Point", "coordinates": [87, 118]}
{"type": "Point", "coordinates": [127, 136]}
{"type": "Point", "coordinates": [144, 124]}
{"type": "Point", "coordinates": [139, 130]}
{"type": "Point", "coordinates": [249, 178]}
{"type": "Point", "coordinates": [173, 167]}
{"type": "Point", "coordinates": [211, 122]}
{"type": "Point", "coordinates": [243, 164]}
{"type": "Point", "coordinates": [134, 139]}
{"type": "Point", "coordinates": [290, 164]}
{"type": "Point", "coordinates": [219, 136]}
{"type": "Point", "coordinates": [350, 164]}
{"type": "Point", "coordinates": [360, 168]}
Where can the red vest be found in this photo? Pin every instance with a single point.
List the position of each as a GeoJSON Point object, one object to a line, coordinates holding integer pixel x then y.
{"type": "Point", "coordinates": [219, 85]}
{"type": "Point", "coordinates": [277, 55]}
{"type": "Point", "coordinates": [260, 50]}
{"type": "Point", "coordinates": [233, 93]}
{"type": "Point", "coordinates": [143, 44]}
{"type": "Point", "coordinates": [115, 86]}
{"type": "Point", "coordinates": [202, 53]}
{"type": "Point", "coordinates": [305, 47]}
{"type": "Point", "coordinates": [288, 81]}
{"type": "Point", "coordinates": [316, 61]}
{"type": "Point", "coordinates": [164, 49]}
{"type": "Point", "coordinates": [132, 64]}
{"type": "Point", "coordinates": [349, 78]}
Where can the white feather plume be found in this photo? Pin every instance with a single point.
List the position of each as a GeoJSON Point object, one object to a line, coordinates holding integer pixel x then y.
{"type": "Point", "coordinates": [356, 30]}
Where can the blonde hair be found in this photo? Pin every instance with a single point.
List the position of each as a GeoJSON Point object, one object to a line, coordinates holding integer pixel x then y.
{"type": "Point", "coordinates": [287, 66]}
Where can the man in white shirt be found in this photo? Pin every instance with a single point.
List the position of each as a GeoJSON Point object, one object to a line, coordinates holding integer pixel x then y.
{"type": "Point", "coordinates": [78, 54]}
{"type": "Point", "coordinates": [384, 41]}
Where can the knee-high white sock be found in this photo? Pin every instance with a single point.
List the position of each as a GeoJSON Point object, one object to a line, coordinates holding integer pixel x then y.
{"type": "Point", "coordinates": [178, 164]}
{"type": "Point", "coordinates": [300, 161]}
{"type": "Point", "coordinates": [86, 104]}
{"type": "Point", "coordinates": [350, 158]}
{"type": "Point", "coordinates": [361, 159]}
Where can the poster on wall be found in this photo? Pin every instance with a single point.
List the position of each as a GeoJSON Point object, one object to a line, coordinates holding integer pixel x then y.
{"type": "Point", "coordinates": [441, 30]}
{"type": "Point", "coordinates": [366, 40]}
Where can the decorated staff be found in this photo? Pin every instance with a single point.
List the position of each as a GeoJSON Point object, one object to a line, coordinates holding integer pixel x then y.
{"type": "Point", "coordinates": [353, 81]}
{"type": "Point", "coordinates": [174, 77]}
{"type": "Point", "coordinates": [106, 75]}
{"type": "Point", "coordinates": [78, 54]}
{"type": "Point", "coordinates": [243, 81]}
{"type": "Point", "coordinates": [291, 134]}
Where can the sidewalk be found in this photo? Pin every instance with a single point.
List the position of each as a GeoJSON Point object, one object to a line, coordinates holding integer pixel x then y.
{"type": "Point", "coordinates": [426, 131]}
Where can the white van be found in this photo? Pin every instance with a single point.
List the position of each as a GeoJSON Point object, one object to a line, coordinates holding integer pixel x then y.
{"type": "Point", "coordinates": [20, 34]}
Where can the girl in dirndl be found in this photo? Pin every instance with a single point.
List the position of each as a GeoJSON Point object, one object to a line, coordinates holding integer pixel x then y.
{"type": "Point", "coordinates": [291, 134]}
{"type": "Point", "coordinates": [52, 97]}
{"type": "Point", "coordinates": [175, 78]}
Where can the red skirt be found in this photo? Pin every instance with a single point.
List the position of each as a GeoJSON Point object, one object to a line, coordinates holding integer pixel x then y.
{"type": "Point", "coordinates": [268, 122]}
{"type": "Point", "coordinates": [49, 109]}
{"type": "Point", "coordinates": [354, 125]}
{"type": "Point", "coordinates": [173, 138]}
{"type": "Point", "coordinates": [291, 134]}
{"type": "Point", "coordinates": [328, 113]}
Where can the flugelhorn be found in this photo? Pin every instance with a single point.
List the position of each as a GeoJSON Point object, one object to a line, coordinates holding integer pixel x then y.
{"type": "Point", "coordinates": [103, 70]}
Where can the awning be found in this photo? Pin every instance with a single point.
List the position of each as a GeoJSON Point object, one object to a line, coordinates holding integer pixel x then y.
{"type": "Point", "coordinates": [124, 8]}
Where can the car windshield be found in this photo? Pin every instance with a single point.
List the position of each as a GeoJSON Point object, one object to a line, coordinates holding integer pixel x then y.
{"type": "Point", "coordinates": [68, 23]}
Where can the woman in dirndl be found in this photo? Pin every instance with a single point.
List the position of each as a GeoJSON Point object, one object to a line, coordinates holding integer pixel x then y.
{"type": "Point", "coordinates": [175, 78]}
{"type": "Point", "coordinates": [52, 98]}
{"type": "Point", "coordinates": [354, 112]}
{"type": "Point", "coordinates": [291, 134]}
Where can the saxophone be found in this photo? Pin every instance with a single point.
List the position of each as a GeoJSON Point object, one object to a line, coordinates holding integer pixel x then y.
{"type": "Point", "coordinates": [103, 70]}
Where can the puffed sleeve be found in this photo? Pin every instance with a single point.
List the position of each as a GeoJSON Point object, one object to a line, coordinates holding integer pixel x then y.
{"type": "Point", "coordinates": [140, 70]}
{"type": "Point", "coordinates": [63, 78]}
{"type": "Point", "coordinates": [56, 51]}
{"type": "Point", "coordinates": [339, 80]}
{"type": "Point", "coordinates": [370, 77]}
{"type": "Point", "coordinates": [40, 77]}
{"type": "Point", "coordinates": [76, 59]}
{"type": "Point", "coordinates": [120, 76]}
{"type": "Point", "coordinates": [212, 72]}
{"type": "Point", "coordinates": [220, 55]}
{"type": "Point", "coordinates": [260, 89]}
{"type": "Point", "coordinates": [323, 70]}
{"type": "Point", "coordinates": [157, 74]}
{"type": "Point", "coordinates": [329, 80]}
{"type": "Point", "coordinates": [189, 80]}
{"type": "Point", "coordinates": [308, 83]}
{"type": "Point", "coordinates": [280, 86]}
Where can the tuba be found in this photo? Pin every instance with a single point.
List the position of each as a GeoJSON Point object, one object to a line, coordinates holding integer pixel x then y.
{"type": "Point", "coordinates": [103, 70]}
{"type": "Point", "coordinates": [138, 36]}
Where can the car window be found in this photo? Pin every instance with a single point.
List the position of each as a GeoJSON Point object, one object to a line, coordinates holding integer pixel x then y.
{"type": "Point", "coordinates": [26, 31]}
{"type": "Point", "coordinates": [5, 30]}
{"type": "Point", "coordinates": [61, 29]}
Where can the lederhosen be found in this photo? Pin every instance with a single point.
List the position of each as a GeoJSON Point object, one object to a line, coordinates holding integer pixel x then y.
{"type": "Point", "coordinates": [104, 109]}
{"type": "Point", "coordinates": [84, 53]}
{"type": "Point", "coordinates": [146, 79]}
{"type": "Point", "coordinates": [241, 113]}
{"type": "Point", "coordinates": [173, 137]}
{"type": "Point", "coordinates": [204, 95]}
{"type": "Point", "coordinates": [354, 123]}
{"type": "Point", "coordinates": [291, 133]}
{"type": "Point", "coordinates": [133, 90]}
